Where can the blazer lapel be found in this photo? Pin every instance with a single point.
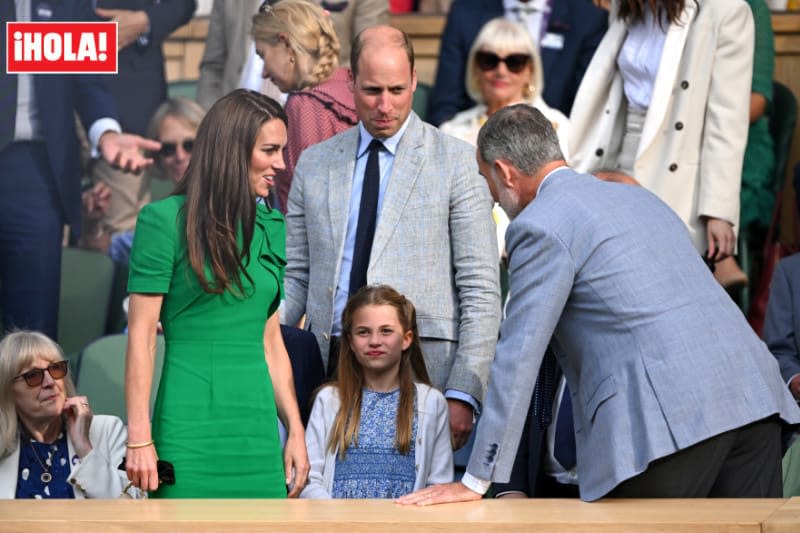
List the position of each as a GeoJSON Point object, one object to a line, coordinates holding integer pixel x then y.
{"type": "Point", "coordinates": [665, 79]}
{"type": "Point", "coordinates": [406, 168]}
{"type": "Point", "coordinates": [340, 186]}
{"type": "Point", "coordinates": [8, 475]}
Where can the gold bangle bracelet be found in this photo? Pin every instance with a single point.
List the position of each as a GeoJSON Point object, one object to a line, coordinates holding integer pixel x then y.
{"type": "Point", "coordinates": [140, 445]}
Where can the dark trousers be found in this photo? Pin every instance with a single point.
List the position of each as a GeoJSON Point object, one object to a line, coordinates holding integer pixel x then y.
{"type": "Point", "coordinates": [31, 228]}
{"type": "Point", "coordinates": [741, 463]}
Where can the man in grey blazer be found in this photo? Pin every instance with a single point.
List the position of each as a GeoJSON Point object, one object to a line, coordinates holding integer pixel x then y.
{"type": "Point", "coordinates": [434, 238]}
{"type": "Point", "coordinates": [673, 394]}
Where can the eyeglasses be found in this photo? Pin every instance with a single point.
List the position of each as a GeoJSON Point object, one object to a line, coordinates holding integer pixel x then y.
{"type": "Point", "coordinates": [169, 149]}
{"type": "Point", "coordinates": [515, 63]}
{"type": "Point", "coordinates": [35, 376]}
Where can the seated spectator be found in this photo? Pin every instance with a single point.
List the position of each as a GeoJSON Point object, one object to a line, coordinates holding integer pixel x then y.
{"type": "Point", "coordinates": [300, 50]}
{"type": "Point", "coordinates": [51, 444]}
{"type": "Point", "coordinates": [782, 322]}
{"type": "Point", "coordinates": [566, 31]}
{"type": "Point", "coordinates": [174, 124]}
{"type": "Point", "coordinates": [503, 68]}
{"type": "Point", "coordinates": [381, 430]}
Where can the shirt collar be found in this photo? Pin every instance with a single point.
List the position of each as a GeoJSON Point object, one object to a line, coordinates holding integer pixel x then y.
{"type": "Point", "coordinates": [390, 143]}
{"type": "Point", "coordinates": [539, 189]}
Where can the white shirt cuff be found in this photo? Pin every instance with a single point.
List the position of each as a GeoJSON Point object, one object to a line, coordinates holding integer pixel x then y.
{"type": "Point", "coordinates": [98, 128]}
{"type": "Point", "coordinates": [481, 486]}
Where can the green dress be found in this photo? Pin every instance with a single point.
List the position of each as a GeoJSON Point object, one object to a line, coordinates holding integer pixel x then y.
{"type": "Point", "coordinates": [215, 417]}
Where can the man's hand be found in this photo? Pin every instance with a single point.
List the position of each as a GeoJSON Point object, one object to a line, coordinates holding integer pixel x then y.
{"type": "Point", "coordinates": [130, 24]}
{"type": "Point", "coordinates": [794, 387]}
{"type": "Point", "coordinates": [461, 417]}
{"type": "Point", "coordinates": [447, 493]}
{"type": "Point", "coordinates": [126, 151]}
{"type": "Point", "coordinates": [721, 239]}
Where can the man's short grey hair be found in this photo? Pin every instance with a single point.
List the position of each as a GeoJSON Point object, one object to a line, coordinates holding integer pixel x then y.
{"type": "Point", "coordinates": [521, 135]}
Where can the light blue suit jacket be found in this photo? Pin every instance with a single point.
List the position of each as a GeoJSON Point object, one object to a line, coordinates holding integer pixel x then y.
{"type": "Point", "coordinates": [434, 242]}
{"type": "Point", "coordinates": [658, 355]}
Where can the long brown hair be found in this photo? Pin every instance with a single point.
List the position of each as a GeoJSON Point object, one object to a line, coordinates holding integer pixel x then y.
{"type": "Point", "coordinates": [350, 374]}
{"type": "Point", "coordinates": [633, 10]}
{"type": "Point", "coordinates": [219, 198]}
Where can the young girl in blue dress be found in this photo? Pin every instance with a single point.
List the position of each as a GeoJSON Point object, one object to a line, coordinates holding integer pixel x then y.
{"type": "Point", "coordinates": [380, 430]}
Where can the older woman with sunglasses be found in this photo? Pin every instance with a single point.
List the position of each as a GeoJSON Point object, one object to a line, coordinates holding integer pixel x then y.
{"type": "Point", "coordinates": [51, 445]}
{"type": "Point", "coordinates": [503, 68]}
{"type": "Point", "coordinates": [174, 124]}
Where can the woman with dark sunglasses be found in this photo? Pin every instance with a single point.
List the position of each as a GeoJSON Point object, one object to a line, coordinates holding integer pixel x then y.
{"type": "Point", "coordinates": [51, 444]}
{"type": "Point", "coordinates": [174, 124]}
{"type": "Point", "coordinates": [503, 68]}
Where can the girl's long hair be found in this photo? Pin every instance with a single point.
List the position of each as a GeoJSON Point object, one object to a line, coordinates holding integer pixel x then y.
{"type": "Point", "coordinates": [350, 374]}
{"type": "Point", "coordinates": [219, 197]}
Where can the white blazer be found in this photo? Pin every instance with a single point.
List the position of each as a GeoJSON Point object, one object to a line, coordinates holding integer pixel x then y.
{"type": "Point", "coordinates": [695, 130]}
{"type": "Point", "coordinates": [94, 476]}
{"type": "Point", "coordinates": [433, 452]}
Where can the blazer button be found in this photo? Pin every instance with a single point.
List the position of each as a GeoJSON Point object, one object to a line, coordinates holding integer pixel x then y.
{"type": "Point", "coordinates": [673, 167]}
{"type": "Point", "coordinates": [679, 125]}
{"type": "Point", "coordinates": [684, 84]}
{"type": "Point", "coordinates": [599, 152]}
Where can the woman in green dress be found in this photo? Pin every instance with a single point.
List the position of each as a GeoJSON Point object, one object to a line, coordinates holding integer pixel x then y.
{"type": "Point", "coordinates": [209, 262]}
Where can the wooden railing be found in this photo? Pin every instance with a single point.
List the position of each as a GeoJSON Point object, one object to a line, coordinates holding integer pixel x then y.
{"type": "Point", "coordinates": [370, 516]}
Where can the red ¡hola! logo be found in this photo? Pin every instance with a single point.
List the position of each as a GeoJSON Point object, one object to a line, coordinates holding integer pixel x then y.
{"type": "Point", "coordinates": [61, 47]}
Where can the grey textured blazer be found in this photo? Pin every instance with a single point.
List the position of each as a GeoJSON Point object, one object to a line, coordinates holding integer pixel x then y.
{"type": "Point", "coordinates": [658, 355]}
{"type": "Point", "coordinates": [434, 242]}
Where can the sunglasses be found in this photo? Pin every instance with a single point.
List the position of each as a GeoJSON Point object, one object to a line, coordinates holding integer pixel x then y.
{"type": "Point", "coordinates": [515, 63]}
{"type": "Point", "coordinates": [35, 376]}
{"type": "Point", "coordinates": [169, 149]}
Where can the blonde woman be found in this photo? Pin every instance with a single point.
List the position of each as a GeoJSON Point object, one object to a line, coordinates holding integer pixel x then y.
{"type": "Point", "coordinates": [503, 68]}
{"type": "Point", "coordinates": [298, 44]}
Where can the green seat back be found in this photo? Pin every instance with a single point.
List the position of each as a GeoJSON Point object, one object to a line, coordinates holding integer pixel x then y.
{"type": "Point", "coordinates": [102, 374]}
{"type": "Point", "coordinates": [420, 102]}
{"type": "Point", "coordinates": [86, 279]}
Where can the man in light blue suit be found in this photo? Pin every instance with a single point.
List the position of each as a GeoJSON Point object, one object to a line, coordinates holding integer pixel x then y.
{"type": "Point", "coordinates": [434, 238]}
{"type": "Point", "coordinates": [673, 394]}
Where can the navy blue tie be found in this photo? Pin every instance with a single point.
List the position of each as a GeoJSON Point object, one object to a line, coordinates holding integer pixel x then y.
{"type": "Point", "coordinates": [367, 214]}
{"type": "Point", "coordinates": [8, 82]}
{"type": "Point", "coordinates": [564, 445]}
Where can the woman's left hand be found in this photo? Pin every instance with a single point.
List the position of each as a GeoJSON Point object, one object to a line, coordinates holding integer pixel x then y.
{"type": "Point", "coordinates": [721, 238]}
{"type": "Point", "coordinates": [79, 419]}
{"type": "Point", "coordinates": [295, 462]}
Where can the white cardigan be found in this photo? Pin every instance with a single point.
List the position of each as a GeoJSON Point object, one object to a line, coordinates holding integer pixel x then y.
{"type": "Point", "coordinates": [94, 476]}
{"type": "Point", "coordinates": [433, 452]}
{"type": "Point", "coordinates": [466, 124]}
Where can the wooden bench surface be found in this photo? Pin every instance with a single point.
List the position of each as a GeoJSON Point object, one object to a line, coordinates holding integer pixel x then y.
{"type": "Point", "coordinates": [369, 516]}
